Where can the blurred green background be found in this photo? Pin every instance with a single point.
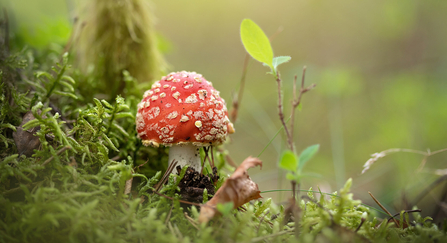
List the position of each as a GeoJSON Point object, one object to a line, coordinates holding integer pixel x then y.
{"type": "Point", "coordinates": [380, 69]}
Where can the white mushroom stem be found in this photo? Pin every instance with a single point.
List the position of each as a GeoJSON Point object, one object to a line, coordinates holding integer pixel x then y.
{"type": "Point", "coordinates": [186, 154]}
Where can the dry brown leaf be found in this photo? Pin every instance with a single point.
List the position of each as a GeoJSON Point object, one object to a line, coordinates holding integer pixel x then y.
{"type": "Point", "coordinates": [239, 189]}
{"type": "Point", "coordinates": [25, 140]}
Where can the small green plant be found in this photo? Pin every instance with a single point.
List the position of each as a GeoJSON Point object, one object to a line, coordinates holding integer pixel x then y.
{"type": "Point", "coordinates": [294, 165]}
{"type": "Point", "coordinates": [258, 46]}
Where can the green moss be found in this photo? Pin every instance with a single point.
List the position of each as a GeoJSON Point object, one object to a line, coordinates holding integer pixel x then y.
{"type": "Point", "coordinates": [115, 36]}
{"type": "Point", "coordinates": [72, 189]}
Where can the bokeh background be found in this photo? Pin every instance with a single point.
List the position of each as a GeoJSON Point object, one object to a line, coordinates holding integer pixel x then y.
{"type": "Point", "coordinates": [380, 68]}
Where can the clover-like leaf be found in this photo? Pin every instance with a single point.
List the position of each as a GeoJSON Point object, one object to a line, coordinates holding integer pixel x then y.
{"type": "Point", "coordinates": [280, 60]}
{"type": "Point", "coordinates": [289, 161]}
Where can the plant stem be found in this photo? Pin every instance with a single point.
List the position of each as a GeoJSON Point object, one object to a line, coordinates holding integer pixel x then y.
{"type": "Point", "coordinates": [281, 114]}
{"type": "Point", "coordinates": [384, 209]}
{"type": "Point", "coordinates": [56, 81]}
{"type": "Point", "coordinates": [237, 100]}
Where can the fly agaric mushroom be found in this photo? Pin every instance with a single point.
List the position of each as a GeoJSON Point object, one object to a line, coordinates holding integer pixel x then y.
{"type": "Point", "coordinates": [185, 112]}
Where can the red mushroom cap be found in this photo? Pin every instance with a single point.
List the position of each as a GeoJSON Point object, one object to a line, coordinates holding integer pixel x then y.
{"type": "Point", "coordinates": [181, 108]}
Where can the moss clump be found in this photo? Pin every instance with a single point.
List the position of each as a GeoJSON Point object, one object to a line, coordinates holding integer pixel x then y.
{"type": "Point", "coordinates": [117, 35]}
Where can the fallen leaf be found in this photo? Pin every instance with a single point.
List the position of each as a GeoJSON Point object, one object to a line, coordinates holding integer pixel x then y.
{"type": "Point", "coordinates": [239, 189]}
{"type": "Point", "coordinates": [25, 140]}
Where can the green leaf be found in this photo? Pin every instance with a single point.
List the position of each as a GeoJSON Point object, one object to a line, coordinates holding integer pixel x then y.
{"type": "Point", "coordinates": [307, 154]}
{"type": "Point", "coordinates": [256, 42]}
{"type": "Point", "coordinates": [280, 60]}
{"type": "Point", "coordinates": [289, 161]}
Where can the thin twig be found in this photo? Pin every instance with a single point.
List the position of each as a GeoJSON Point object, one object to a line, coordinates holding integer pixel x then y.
{"type": "Point", "coordinates": [212, 157]}
{"type": "Point", "coordinates": [441, 205]}
{"type": "Point", "coordinates": [169, 214]}
{"type": "Point", "coordinates": [139, 166]}
{"type": "Point", "coordinates": [297, 100]}
{"type": "Point", "coordinates": [262, 220]}
{"type": "Point", "coordinates": [237, 100]}
{"type": "Point", "coordinates": [295, 103]}
{"type": "Point", "coordinates": [383, 208]}
{"type": "Point", "coordinates": [408, 211]}
{"type": "Point", "coordinates": [182, 201]}
{"type": "Point", "coordinates": [206, 149]}
{"type": "Point", "coordinates": [58, 153]}
{"type": "Point", "coordinates": [191, 220]}
{"type": "Point", "coordinates": [278, 31]}
{"type": "Point", "coordinates": [281, 114]}
{"type": "Point", "coordinates": [376, 156]}
{"type": "Point", "coordinates": [228, 158]}
{"type": "Point", "coordinates": [429, 188]}
{"type": "Point", "coordinates": [165, 176]}
{"type": "Point", "coordinates": [360, 225]}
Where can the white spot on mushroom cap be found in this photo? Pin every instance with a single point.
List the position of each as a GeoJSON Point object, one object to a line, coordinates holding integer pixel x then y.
{"type": "Point", "coordinates": [156, 85]}
{"type": "Point", "coordinates": [191, 99]}
{"type": "Point", "coordinates": [198, 79]}
{"type": "Point", "coordinates": [210, 114]}
{"type": "Point", "coordinates": [198, 124]}
{"type": "Point", "coordinates": [188, 86]}
{"type": "Point", "coordinates": [164, 130]}
{"type": "Point", "coordinates": [140, 121]}
{"type": "Point", "coordinates": [153, 126]}
{"type": "Point", "coordinates": [166, 86]}
{"type": "Point", "coordinates": [154, 97]}
{"type": "Point", "coordinates": [147, 93]}
{"type": "Point", "coordinates": [218, 112]}
{"type": "Point", "coordinates": [176, 95]}
{"type": "Point", "coordinates": [184, 118]}
{"type": "Point", "coordinates": [214, 131]}
{"type": "Point", "coordinates": [168, 105]}
{"type": "Point", "coordinates": [173, 88]}
{"type": "Point", "coordinates": [198, 114]}
{"type": "Point", "coordinates": [155, 111]}
{"type": "Point", "coordinates": [202, 94]}
{"type": "Point", "coordinates": [169, 78]}
{"type": "Point", "coordinates": [162, 95]}
{"type": "Point", "coordinates": [156, 90]}
{"type": "Point", "coordinates": [198, 137]}
{"type": "Point", "coordinates": [140, 105]}
{"type": "Point", "coordinates": [172, 115]}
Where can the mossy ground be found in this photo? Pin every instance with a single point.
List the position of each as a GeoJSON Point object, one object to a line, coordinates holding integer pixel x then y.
{"type": "Point", "coordinates": [72, 187]}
